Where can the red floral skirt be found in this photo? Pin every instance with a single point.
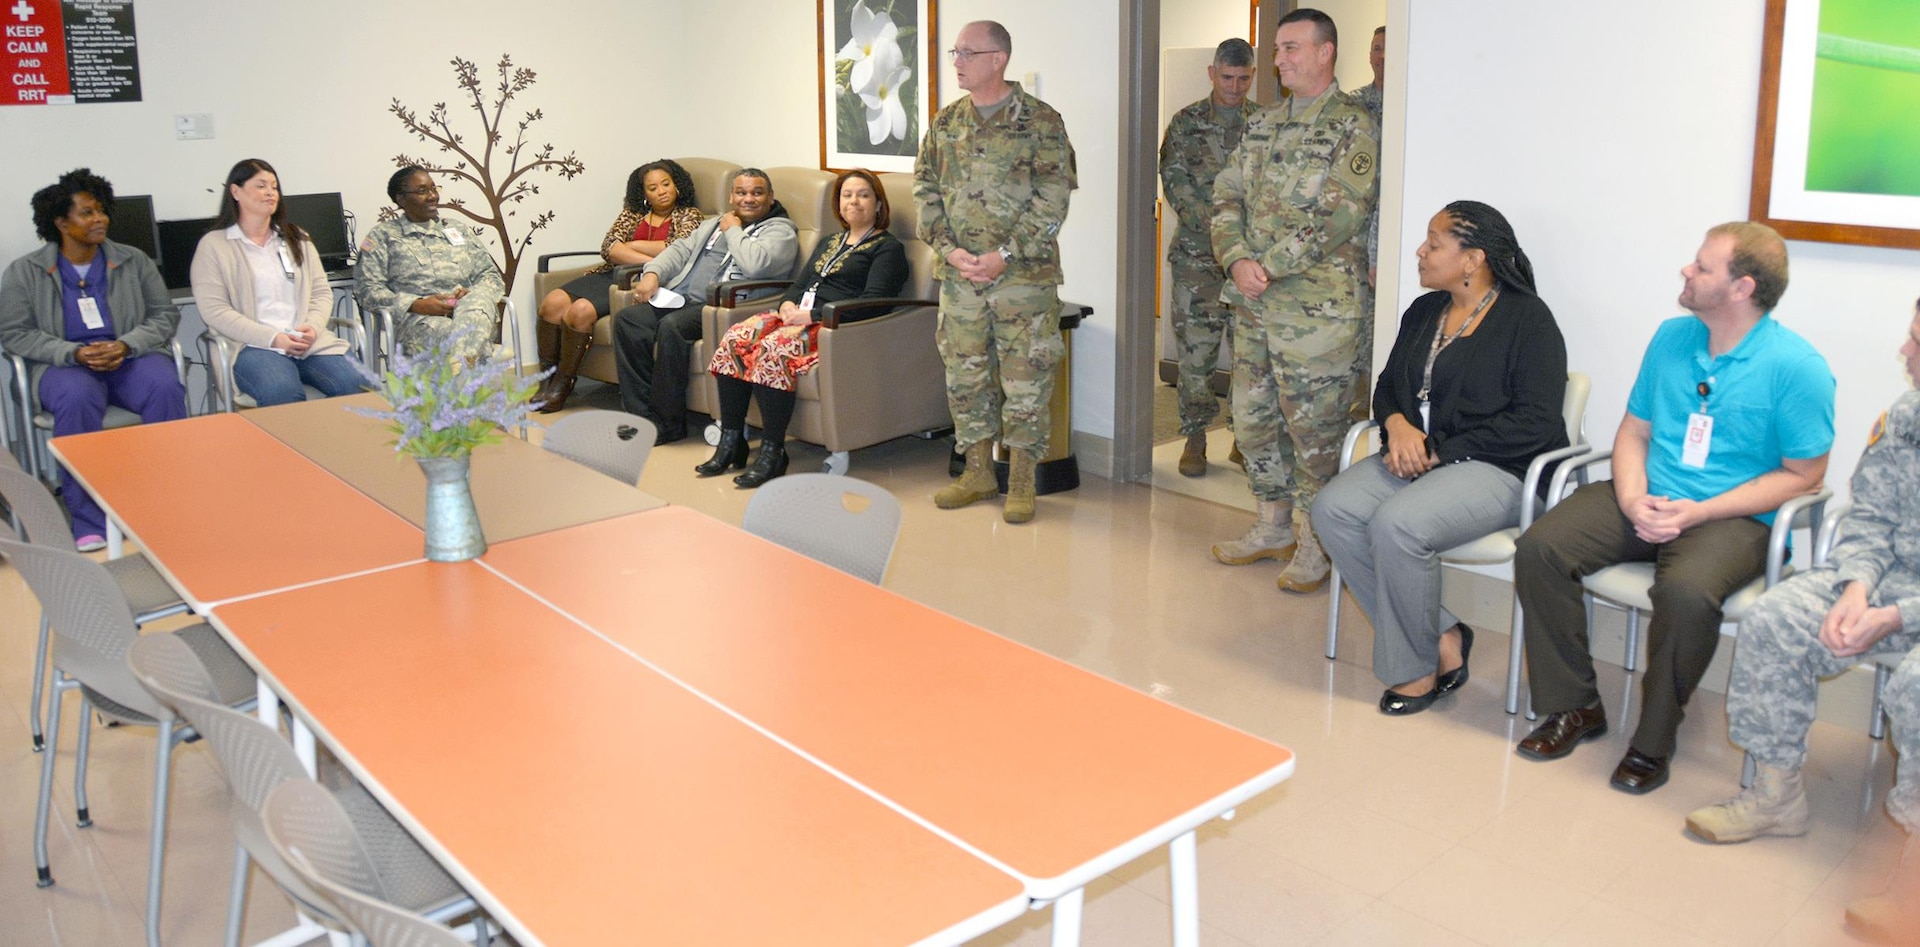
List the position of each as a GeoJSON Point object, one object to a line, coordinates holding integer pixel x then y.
{"type": "Point", "coordinates": [764, 350]}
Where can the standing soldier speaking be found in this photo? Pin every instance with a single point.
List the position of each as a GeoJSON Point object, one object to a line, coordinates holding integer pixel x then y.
{"type": "Point", "coordinates": [1289, 226]}
{"type": "Point", "coordinates": [992, 183]}
{"type": "Point", "coordinates": [1195, 148]}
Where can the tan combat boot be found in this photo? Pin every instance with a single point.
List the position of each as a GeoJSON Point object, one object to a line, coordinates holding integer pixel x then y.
{"type": "Point", "coordinates": [1193, 459]}
{"type": "Point", "coordinates": [1235, 457]}
{"type": "Point", "coordinates": [975, 483]}
{"type": "Point", "coordinates": [1775, 805]}
{"type": "Point", "coordinates": [1893, 915]}
{"type": "Point", "coordinates": [1270, 536]}
{"type": "Point", "coordinates": [1307, 573]}
{"type": "Point", "coordinates": [1019, 507]}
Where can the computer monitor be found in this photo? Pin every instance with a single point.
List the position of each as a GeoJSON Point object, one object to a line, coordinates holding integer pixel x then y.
{"type": "Point", "coordinates": [324, 219]}
{"type": "Point", "coordinates": [131, 222]}
{"type": "Point", "coordinates": [178, 240]}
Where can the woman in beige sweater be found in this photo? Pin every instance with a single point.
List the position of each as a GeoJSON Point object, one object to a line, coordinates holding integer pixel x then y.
{"type": "Point", "coordinates": [258, 282]}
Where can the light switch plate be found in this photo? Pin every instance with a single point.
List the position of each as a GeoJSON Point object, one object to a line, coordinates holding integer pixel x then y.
{"type": "Point", "coordinates": [194, 127]}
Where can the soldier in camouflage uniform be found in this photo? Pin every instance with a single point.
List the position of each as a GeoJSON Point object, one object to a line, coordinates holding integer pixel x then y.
{"type": "Point", "coordinates": [1195, 148]}
{"type": "Point", "coordinates": [992, 183]}
{"type": "Point", "coordinates": [1864, 602]}
{"type": "Point", "coordinates": [1371, 97]}
{"type": "Point", "coordinates": [1289, 217]}
{"type": "Point", "coordinates": [434, 275]}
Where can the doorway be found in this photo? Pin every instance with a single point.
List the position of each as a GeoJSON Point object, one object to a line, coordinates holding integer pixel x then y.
{"type": "Point", "coordinates": [1162, 38]}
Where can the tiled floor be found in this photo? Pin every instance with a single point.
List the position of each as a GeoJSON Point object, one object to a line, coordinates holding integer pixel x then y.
{"type": "Point", "coordinates": [1420, 831]}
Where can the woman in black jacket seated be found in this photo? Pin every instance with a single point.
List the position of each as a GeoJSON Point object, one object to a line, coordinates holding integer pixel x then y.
{"type": "Point", "coordinates": [761, 358]}
{"type": "Point", "coordinates": [1471, 394]}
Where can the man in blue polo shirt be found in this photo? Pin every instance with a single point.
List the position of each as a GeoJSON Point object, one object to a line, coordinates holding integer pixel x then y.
{"type": "Point", "coordinates": [1731, 415]}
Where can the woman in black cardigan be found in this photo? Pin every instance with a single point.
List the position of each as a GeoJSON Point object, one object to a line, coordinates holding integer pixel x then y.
{"type": "Point", "coordinates": [1471, 394]}
{"type": "Point", "coordinates": [762, 358]}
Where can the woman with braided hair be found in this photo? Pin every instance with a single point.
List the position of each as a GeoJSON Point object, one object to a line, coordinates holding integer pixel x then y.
{"type": "Point", "coordinates": [1471, 394]}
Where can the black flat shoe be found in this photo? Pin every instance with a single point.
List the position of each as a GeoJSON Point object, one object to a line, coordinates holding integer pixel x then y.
{"type": "Point", "coordinates": [1400, 705]}
{"type": "Point", "coordinates": [730, 453]}
{"type": "Point", "coordinates": [769, 463]}
{"type": "Point", "coordinates": [1450, 681]}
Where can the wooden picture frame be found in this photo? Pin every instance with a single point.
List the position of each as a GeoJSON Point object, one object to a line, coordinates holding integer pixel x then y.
{"type": "Point", "coordinates": [1795, 135]}
{"type": "Point", "coordinates": [879, 78]}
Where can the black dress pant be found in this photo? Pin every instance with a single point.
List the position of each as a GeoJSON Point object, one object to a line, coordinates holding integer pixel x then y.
{"type": "Point", "coordinates": [653, 349]}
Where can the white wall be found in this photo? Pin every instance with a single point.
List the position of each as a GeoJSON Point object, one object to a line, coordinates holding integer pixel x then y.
{"type": "Point", "coordinates": [1356, 20]}
{"type": "Point", "coordinates": [310, 95]}
{"type": "Point", "coordinates": [1202, 22]}
{"type": "Point", "coordinates": [1611, 170]}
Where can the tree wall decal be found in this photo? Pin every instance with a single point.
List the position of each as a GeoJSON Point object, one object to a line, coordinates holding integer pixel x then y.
{"type": "Point", "coordinates": [502, 188]}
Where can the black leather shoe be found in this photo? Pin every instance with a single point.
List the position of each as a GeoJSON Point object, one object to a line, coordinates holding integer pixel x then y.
{"type": "Point", "coordinates": [1556, 736]}
{"type": "Point", "coordinates": [1400, 705]}
{"type": "Point", "coordinates": [769, 463]}
{"type": "Point", "coordinates": [730, 453]}
{"type": "Point", "coordinates": [1639, 773]}
{"type": "Point", "coordinates": [1450, 681]}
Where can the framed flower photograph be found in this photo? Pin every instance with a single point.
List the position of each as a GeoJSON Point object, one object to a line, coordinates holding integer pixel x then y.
{"type": "Point", "coordinates": [1833, 147]}
{"type": "Point", "coordinates": [878, 80]}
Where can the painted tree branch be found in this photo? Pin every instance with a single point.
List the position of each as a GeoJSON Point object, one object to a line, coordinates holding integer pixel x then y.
{"type": "Point", "coordinates": [458, 163]}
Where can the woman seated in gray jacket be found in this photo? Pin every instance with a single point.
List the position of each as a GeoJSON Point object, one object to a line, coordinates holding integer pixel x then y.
{"type": "Point", "coordinates": [258, 282]}
{"type": "Point", "coordinates": [1471, 394]}
{"type": "Point", "coordinates": [93, 320]}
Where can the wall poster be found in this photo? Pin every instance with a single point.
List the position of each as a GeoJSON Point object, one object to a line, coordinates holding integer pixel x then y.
{"type": "Point", "coordinates": [62, 52]}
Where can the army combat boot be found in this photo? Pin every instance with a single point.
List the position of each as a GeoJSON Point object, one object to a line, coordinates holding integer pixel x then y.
{"type": "Point", "coordinates": [1308, 570]}
{"type": "Point", "coordinates": [975, 483]}
{"type": "Point", "coordinates": [1776, 805]}
{"type": "Point", "coordinates": [1193, 458]}
{"type": "Point", "coordinates": [1019, 507]}
{"type": "Point", "coordinates": [1270, 536]}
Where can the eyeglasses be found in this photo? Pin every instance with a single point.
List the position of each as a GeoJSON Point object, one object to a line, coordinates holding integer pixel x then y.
{"type": "Point", "coordinates": [422, 191]}
{"type": "Point", "coordinates": [962, 55]}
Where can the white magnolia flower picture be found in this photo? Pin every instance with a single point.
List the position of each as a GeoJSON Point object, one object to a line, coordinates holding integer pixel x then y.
{"type": "Point", "coordinates": [876, 87]}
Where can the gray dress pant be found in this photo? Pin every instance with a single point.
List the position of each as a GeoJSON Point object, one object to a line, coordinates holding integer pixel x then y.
{"type": "Point", "coordinates": [1693, 574]}
{"type": "Point", "coordinates": [1386, 534]}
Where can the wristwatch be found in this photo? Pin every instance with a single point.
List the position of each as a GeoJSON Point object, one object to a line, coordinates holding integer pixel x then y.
{"type": "Point", "coordinates": [1006, 255]}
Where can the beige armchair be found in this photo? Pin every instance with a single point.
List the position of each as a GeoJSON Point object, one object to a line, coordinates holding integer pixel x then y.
{"type": "Point", "coordinates": [807, 194]}
{"type": "Point", "coordinates": [711, 180]}
{"type": "Point", "coordinates": [878, 378]}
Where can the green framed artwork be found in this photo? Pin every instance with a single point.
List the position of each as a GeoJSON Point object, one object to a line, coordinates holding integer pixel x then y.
{"type": "Point", "coordinates": [1836, 142]}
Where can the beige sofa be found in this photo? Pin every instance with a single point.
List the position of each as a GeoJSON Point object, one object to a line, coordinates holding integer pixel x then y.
{"type": "Point", "coordinates": [877, 379]}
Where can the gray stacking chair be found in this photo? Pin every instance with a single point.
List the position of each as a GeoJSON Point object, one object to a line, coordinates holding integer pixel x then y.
{"type": "Point", "coordinates": [312, 833]}
{"type": "Point", "coordinates": [1490, 555]}
{"type": "Point", "coordinates": [808, 514]}
{"type": "Point", "coordinates": [255, 760]}
{"type": "Point", "coordinates": [613, 442]}
{"type": "Point", "coordinates": [37, 519]}
{"type": "Point", "coordinates": [93, 627]}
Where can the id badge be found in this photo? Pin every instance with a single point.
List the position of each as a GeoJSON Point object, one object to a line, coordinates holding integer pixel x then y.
{"type": "Point", "coordinates": [90, 313]}
{"type": "Point", "coordinates": [1426, 417]}
{"type": "Point", "coordinates": [1699, 440]}
{"type": "Point", "coordinates": [806, 300]}
{"type": "Point", "coordinates": [454, 236]}
{"type": "Point", "coordinates": [286, 262]}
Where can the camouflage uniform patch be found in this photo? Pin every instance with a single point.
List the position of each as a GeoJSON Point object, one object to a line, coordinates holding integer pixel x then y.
{"type": "Point", "coordinates": [1780, 660]}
